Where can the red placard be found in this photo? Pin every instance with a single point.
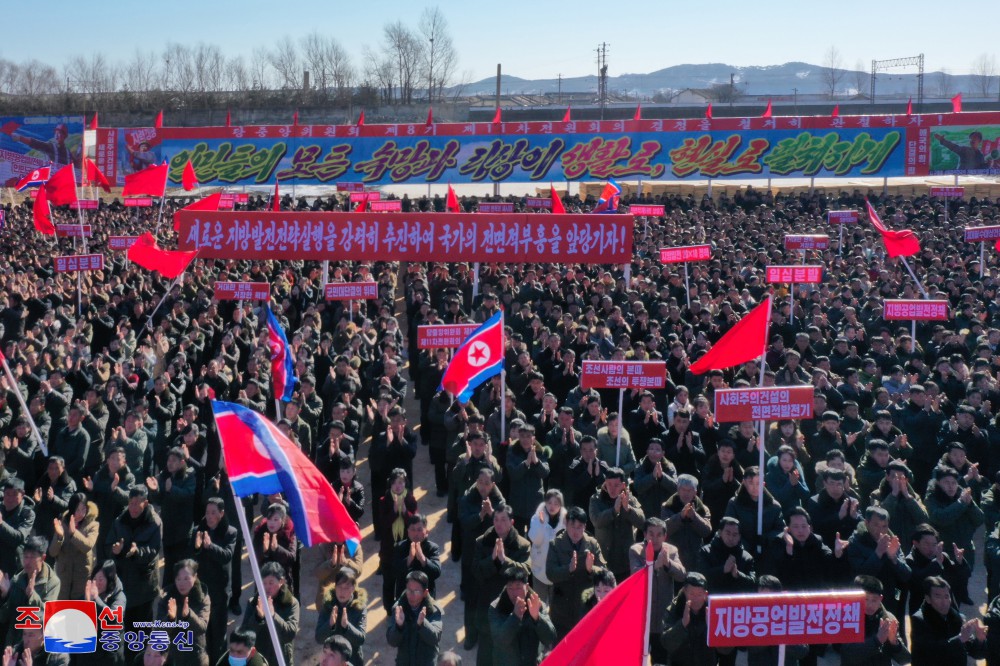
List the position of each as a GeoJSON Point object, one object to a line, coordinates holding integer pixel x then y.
{"type": "Point", "coordinates": [242, 197]}
{"type": "Point", "coordinates": [537, 202]}
{"type": "Point", "coordinates": [386, 206]}
{"type": "Point", "coordinates": [794, 273]}
{"type": "Point", "coordinates": [85, 204]}
{"type": "Point", "coordinates": [351, 291]}
{"type": "Point", "coordinates": [121, 242]}
{"type": "Point", "coordinates": [138, 202]}
{"type": "Point", "coordinates": [350, 187]}
{"type": "Point", "coordinates": [680, 255]}
{"type": "Point", "coordinates": [433, 336]}
{"type": "Point", "coordinates": [981, 234]}
{"type": "Point", "coordinates": [78, 262]}
{"type": "Point", "coordinates": [241, 291]}
{"type": "Point", "coordinates": [764, 404]}
{"type": "Point", "coordinates": [520, 238]}
{"type": "Point", "coordinates": [624, 374]}
{"type": "Point", "coordinates": [786, 617]}
{"type": "Point", "coordinates": [74, 231]}
{"type": "Point", "coordinates": [807, 242]}
{"type": "Point", "coordinates": [842, 217]}
{"type": "Point", "coordinates": [32, 193]}
{"type": "Point", "coordinates": [948, 192]}
{"type": "Point", "coordinates": [913, 309]}
{"type": "Point", "coordinates": [644, 209]}
{"type": "Point", "coordinates": [496, 207]}
{"type": "Point", "coordinates": [226, 201]}
{"type": "Point", "coordinates": [357, 197]}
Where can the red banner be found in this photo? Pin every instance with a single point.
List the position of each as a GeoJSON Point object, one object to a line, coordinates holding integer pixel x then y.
{"type": "Point", "coordinates": [138, 202]}
{"type": "Point", "coordinates": [807, 242]}
{"type": "Point", "coordinates": [913, 309]}
{"type": "Point", "coordinates": [121, 242]}
{"type": "Point", "coordinates": [351, 291]}
{"type": "Point", "coordinates": [358, 197]}
{"type": "Point", "coordinates": [386, 206]}
{"type": "Point", "coordinates": [624, 374]}
{"type": "Point", "coordinates": [842, 217]}
{"type": "Point", "coordinates": [471, 237]}
{"type": "Point", "coordinates": [947, 192]}
{"type": "Point", "coordinates": [764, 404]}
{"type": "Point", "coordinates": [794, 273]}
{"type": "Point", "coordinates": [538, 202]}
{"type": "Point", "coordinates": [226, 201]}
{"type": "Point", "coordinates": [78, 262]}
{"type": "Point", "coordinates": [647, 210]}
{"type": "Point", "coordinates": [241, 291]}
{"type": "Point", "coordinates": [736, 620]}
{"type": "Point", "coordinates": [85, 204]}
{"type": "Point", "coordinates": [74, 231]}
{"type": "Point", "coordinates": [685, 253]}
{"type": "Point", "coordinates": [981, 234]}
{"type": "Point", "coordinates": [350, 187]}
{"type": "Point", "coordinates": [434, 336]}
{"type": "Point", "coordinates": [106, 153]}
{"type": "Point", "coordinates": [499, 207]}
{"type": "Point", "coordinates": [242, 197]}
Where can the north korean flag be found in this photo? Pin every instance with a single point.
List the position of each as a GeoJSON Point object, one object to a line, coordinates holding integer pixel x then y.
{"type": "Point", "coordinates": [479, 358]}
{"type": "Point", "coordinates": [34, 179]}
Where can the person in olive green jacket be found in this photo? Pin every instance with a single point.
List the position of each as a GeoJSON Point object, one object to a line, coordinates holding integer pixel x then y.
{"type": "Point", "coordinates": [519, 622]}
{"type": "Point", "coordinates": [573, 557]}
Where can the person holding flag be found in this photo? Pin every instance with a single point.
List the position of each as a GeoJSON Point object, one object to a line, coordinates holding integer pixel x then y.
{"type": "Point", "coordinates": [282, 363]}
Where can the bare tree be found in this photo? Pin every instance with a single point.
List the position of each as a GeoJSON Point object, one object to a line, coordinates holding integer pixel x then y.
{"type": "Point", "coordinates": [862, 78]}
{"type": "Point", "coordinates": [984, 73]}
{"type": "Point", "coordinates": [178, 69]}
{"type": "Point", "coordinates": [380, 74]}
{"type": "Point", "coordinates": [139, 73]}
{"type": "Point", "coordinates": [208, 66]}
{"type": "Point", "coordinates": [260, 69]}
{"type": "Point", "coordinates": [833, 71]}
{"type": "Point", "coordinates": [406, 51]}
{"type": "Point", "coordinates": [440, 59]}
{"type": "Point", "coordinates": [944, 83]}
{"type": "Point", "coordinates": [285, 61]}
{"type": "Point", "coordinates": [8, 75]}
{"type": "Point", "coordinates": [328, 62]}
{"type": "Point", "coordinates": [238, 77]}
{"type": "Point", "coordinates": [36, 78]}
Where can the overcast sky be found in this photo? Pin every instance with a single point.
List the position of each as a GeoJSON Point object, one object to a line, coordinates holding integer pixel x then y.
{"type": "Point", "coordinates": [533, 39]}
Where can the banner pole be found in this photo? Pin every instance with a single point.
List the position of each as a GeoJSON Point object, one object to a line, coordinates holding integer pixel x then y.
{"type": "Point", "coordinates": [646, 659]}
{"type": "Point", "coordinates": [621, 406]}
{"type": "Point", "coordinates": [982, 258]}
{"type": "Point", "coordinates": [913, 332]}
{"type": "Point", "coordinates": [24, 407]}
{"type": "Point", "coordinates": [277, 410]}
{"type": "Point", "coordinates": [781, 655]}
{"type": "Point", "coordinates": [503, 383]}
{"type": "Point", "coordinates": [153, 313]}
{"type": "Point", "coordinates": [687, 284]}
{"type": "Point", "coordinates": [475, 280]}
{"type": "Point", "coordinates": [760, 439]}
{"type": "Point", "coordinates": [163, 198]}
{"type": "Point", "coordinates": [914, 276]}
{"type": "Point", "coordinates": [840, 244]}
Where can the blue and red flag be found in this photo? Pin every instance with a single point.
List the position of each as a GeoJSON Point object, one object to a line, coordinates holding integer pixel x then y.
{"type": "Point", "coordinates": [36, 178]}
{"type": "Point", "coordinates": [610, 197]}
{"type": "Point", "coordinates": [282, 363]}
{"type": "Point", "coordinates": [260, 459]}
{"type": "Point", "coordinates": [479, 358]}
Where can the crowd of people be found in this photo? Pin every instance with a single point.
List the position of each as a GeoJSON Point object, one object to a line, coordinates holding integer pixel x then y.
{"type": "Point", "coordinates": [125, 501]}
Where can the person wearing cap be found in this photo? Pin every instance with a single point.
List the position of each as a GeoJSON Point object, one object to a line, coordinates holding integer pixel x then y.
{"type": "Point", "coordinates": [920, 418]}
{"type": "Point", "coordinates": [72, 443]}
{"type": "Point", "coordinates": [956, 456]}
{"type": "Point", "coordinates": [134, 543]}
{"type": "Point", "coordinates": [829, 437]}
{"type": "Point", "coordinates": [475, 514]}
{"type": "Point", "coordinates": [17, 518]}
{"type": "Point", "coordinates": [685, 626]}
{"type": "Point", "coordinates": [873, 468]}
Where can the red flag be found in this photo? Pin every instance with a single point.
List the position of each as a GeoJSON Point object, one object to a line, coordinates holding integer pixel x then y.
{"type": "Point", "coordinates": [362, 206]}
{"type": "Point", "coordinates": [430, 116]}
{"type": "Point", "coordinates": [767, 111]}
{"type": "Point", "coordinates": [94, 175]}
{"type": "Point", "coordinates": [361, 119]}
{"type": "Point", "coordinates": [496, 117]}
{"type": "Point", "coordinates": [41, 214]}
{"type": "Point", "coordinates": [956, 103]}
{"type": "Point", "coordinates": [61, 188]}
{"type": "Point", "coordinates": [613, 632]}
{"type": "Point", "coordinates": [566, 117]}
{"type": "Point", "coordinates": [708, 111]}
{"type": "Point", "coordinates": [93, 122]}
{"type": "Point", "coordinates": [158, 123]}
{"type": "Point", "coordinates": [897, 243]}
{"type": "Point", "coordinates": [743, 342]}
{"type": "Point", "coordinates": [147, 254]}
{"type": "Point", "coordinates": [276, 199]}
{"type": "Point", "coordinates": [151, 181]}
{"type": "Point", "coordinates": [229, 118]}
{"type": "Point", "coordinates": [211, 202]}
{"type": "Point", "coordinates": [557, 204]}
{"type": "Point", "coordinates": [836, 111]}
{"type": "Point", "coordinates": [996, 246]}
{"type": "Point", "coordinates": [638, 112]}
{"type": "Point", "coordinates": [295, 118]}
{"type": "Point", "coordinates": [451, 203]}
{"type": "Point", "coordinates": [189, 179]}
{"type": "Point", "coordinates": [909, 107]}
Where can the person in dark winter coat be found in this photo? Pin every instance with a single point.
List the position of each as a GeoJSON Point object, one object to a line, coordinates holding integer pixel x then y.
{"type": "Point", "coordinates": [685, 626]}
{"type": "Point", "coordinates": [520, 627]}
{"type": "Point", "coordinates": [174, 490]}
{"type": "Point", "coordinates": [52, 493]}
{"type": "Point", "coordinates": [345, 613]}
{"type": "Point", "coordinates": [109, 489]}
{"type": "Point", "coordinates": [898, 497]}
{"type": "Point", "coordinates": [242, 649]}
{"type": "Point", "coordinates": [187, 600]}
{"type": "Point", "coordinates": [616, 516]}
{"type": "Point", "coordinates": [394, 509]}
{"type": "Point", "coordinates": [883, 644]}
{"type": "Point", "coordinates": [17, 517]}
{"type": "Point", "coordinates": [767, 655]}
{"type": "Point", "coordinates": [104, 588]}
{"type": "Point", "coordinates": [274, 539]}
{"type": "Point", "coordinates": [475, 511]}
{"type": "Point", "coordinates": [875, 551]}
{"type": "Point", "coordinates": [728, 567]}
{"type": "Point", "coordinates": [655, 479]}
{"type": "Point", "coordinates": [350, 491]}
{"type": "Point", "coordinates": [213, 543]}
{"type": "Point", "coordinates": [800, 559]}
{"type": "Point", "coordinates": [572, 559]}
{"type": "Point", "coordinates": [415, 553]}
{"type": "Point", "coordinates": [743, 507]}
{"type": "Point", "coordinates": [942, 635]}
{"type": "Point", "coordinates": [134, 543]}
{"type": "Point", "coordinates": [720, 480]}
{"type": "Point", "coordinates": [832, 510]}
{"type": "Point", "coordinates": [527, 469]}
{"type": "Point", "coordinates": [284, 608]}
{"type": "Point", "coordinates": [414, 624]}
{"type": "Point", "coordinates": [688, 521]}
{"type": "Point", "coordinates": [953, 511]}
{"type": "Point", "coordinates": [667, 570]}
{"type": "Point", "coordinates": [928, 558]}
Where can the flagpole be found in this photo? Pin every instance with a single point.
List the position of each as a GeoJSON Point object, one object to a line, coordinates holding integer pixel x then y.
{"type": "Point", "coordinates": [503, 383]}
{"type": "Point", "coordinates": [24, 406]}
{"type": "Point", "coordinates": [153, 313]}
{"type": "Point", "coordinates": [163, 197]}
{"type": "Point", "coordinates": [649, 602]}
{"type": "Point", "coordinates": [914, 276]}
{"type": "Point", "coordinates": [760, 434]}
{"type": "Point", "coordinates": [618, 446]}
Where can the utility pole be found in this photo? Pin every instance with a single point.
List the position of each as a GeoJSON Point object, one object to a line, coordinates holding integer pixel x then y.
{"type": "Point", "coordinates": [732, 88]}
{"type": "Point", "coordinates": [795, 92]}
{"type": "Point", "coordinates": [602, 76]}
{"type": "Point", "coordinates": [559, 79]}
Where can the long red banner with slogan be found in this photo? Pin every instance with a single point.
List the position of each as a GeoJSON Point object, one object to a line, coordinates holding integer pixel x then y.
{"type": "Point", "coordinates": [241, 291]}
{"type": "Point", "coordinates": [434, 336]}
{"type": "Point", "coordinates": [908, 308]}
{"type": "Point", "coordinates": [787, 617]}
{"type": "Point", "coordinates": [624, 374]}
{"type": "Point", "coordinates": [764, 404]}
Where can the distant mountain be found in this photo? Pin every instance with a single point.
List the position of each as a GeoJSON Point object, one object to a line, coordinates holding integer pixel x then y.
{"type": "Point", "coordinates": [787, 79]}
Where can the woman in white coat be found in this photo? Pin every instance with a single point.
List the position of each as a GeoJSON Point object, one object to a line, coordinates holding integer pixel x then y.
{"type": "Point", "coordinates": [548, 520]}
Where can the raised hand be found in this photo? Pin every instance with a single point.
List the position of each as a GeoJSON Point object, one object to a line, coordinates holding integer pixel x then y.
{"type": "Point", "coordinates": [520, 606]}
{"type": "Point", "coordinates": [572, 562]}
{"type": "Point", "coordinates": [334, 615]}
{"type": "Point", "coordinates": [686, 620]}
{"type": "Point", "coordinates": [589, 562]}
{"type": "Point", "coordinates": [534, 605]}
{"type": "Point", "coordinates": [398, 616]}
{"type": "Point", "coordinates": [57, 528]}
{"type": "Point", "coordinates": [171, 608]}
{"type": "Point", "coordinates": [839, 546]}
{"type": "Point", "coordinates": [343, 618]}
{"type": "Point", "coordinates": [422, 617]}
{"type": "Point", "coordinates": [186, 608]}
{"type": "Point", "coordinates": [117, 548]}
{"type": "Point", "coordinates": [789, 541]}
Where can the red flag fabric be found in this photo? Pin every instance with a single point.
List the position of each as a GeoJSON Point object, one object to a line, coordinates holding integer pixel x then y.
{"type": "Point", "coordinates": [151, 181]}
{"type": "Point", "coordinates": [361, 119]}
{"type": "Point", "coordinates": [430, 116]}
{"type": "Point", "coordinates": [897, 243]}
{"type": "Point", "coordinates": [229, 118]}
{"type": "Point", "coordinates": [41, 215]}
{"type": "Point", "coordinates": [497, 118]}
{"type": "Point", "coordinates": [158, 123]}
{"type": "Point", "coordinates": [767, 111]}
{"type": "Point", "coordinates": [150, 256]}
{"type": "Point", "coordinates": [93, 122]}
{"type": "Point", "coordinates": [94, 175]}
{"type": "Point", "coordinates": [708, 111]}
{"type": "Point", "coordinates": [566, 117]}
{"type": "Point", "coordinates": [61, 188]}
{"type": "Point", "coordinates": [276, 199]}
{"type": "Point", "coordinates": [295, 118]}
{"type": "Point", "coordinates": [638, 112]}
{"type": "Point", "coordinates": [836, 111]}
{"type": "Point", "coordinates": [189, 179]}
{"type": "Point", "coordinates": [996, 246]}
{"type": "Point", "coordinates": [557, 204]}
{"type": "Point", "coordinates": [743, 342]}
{"type": "Point", "coordinates": [211, 202]}
{"type": "Point", "coordinates": [613, 632]}
{"type": "Point", "coordinates": [909, 107]}
{"type": "Point", "coordinates": [451, 203]}
{"type": "Point", "coordinates": [956, 103]}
